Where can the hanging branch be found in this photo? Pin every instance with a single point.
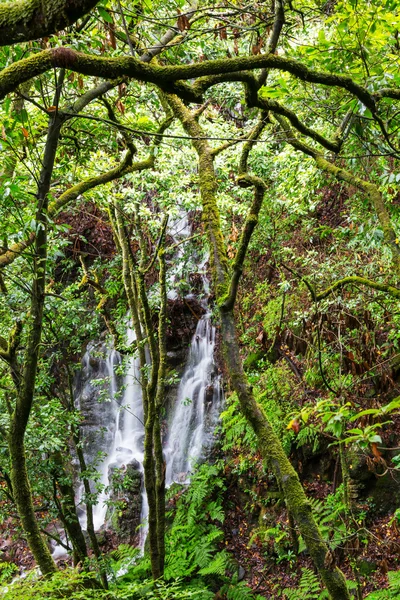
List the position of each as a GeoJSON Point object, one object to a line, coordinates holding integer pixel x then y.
{"type": "Point", "coordinates": [370, 189]}
{"type": "Point", "coordinates": [246, 180]}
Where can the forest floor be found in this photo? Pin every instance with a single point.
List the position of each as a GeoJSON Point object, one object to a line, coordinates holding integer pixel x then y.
{"type": "Point", "coordinates": [376, 552]}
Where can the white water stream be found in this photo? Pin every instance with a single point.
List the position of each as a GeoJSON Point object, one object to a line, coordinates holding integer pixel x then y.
{"type": "Point", "coordinates": [197, 406]}
{"type": "Point", "coordinates": [120, 416]}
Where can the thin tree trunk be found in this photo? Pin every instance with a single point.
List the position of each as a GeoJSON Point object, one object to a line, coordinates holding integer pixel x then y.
{"type": "Point", "coordinates": [20, 416]}
{"type": "Point", "coordinates": [269, 444]}
{"type": "Point", "coordinates": [68, 507]}
{"type": "Point", "coordinates": [134, 288]}
{"type": "Point", "coordinates": [159, 401]}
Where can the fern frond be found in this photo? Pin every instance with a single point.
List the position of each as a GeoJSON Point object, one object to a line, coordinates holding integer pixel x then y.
{"type": "Point", "coordinates": [217, 566]}
{"type": "Point", "coordinates": [393, 591]}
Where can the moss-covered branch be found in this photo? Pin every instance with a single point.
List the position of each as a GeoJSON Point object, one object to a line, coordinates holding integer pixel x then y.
{"type": "Point", "coordinates": [369, 189]}
{"type": "Point", "coordinates": [249, 226]}
{"type": "Point", "coordinates": [25, 20]}
{"type": "Point", "coordinates": [170, 78]}
{"type": "Point", "coordinates": [355, 279]}
{"type": "Point", "coordinates": [246, 180]}
{"type": "Point", "coordinates": [393, 93]}
{"type": "Point", "coordinates": [251, 140]}
{"type": "Point", "coordinates": [126, 166]}
{"type": "Point", "coordinates": [267, 104]}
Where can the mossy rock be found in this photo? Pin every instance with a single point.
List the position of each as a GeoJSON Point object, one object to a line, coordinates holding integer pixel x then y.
{"type": "Point", "coordinates": [252, 359]}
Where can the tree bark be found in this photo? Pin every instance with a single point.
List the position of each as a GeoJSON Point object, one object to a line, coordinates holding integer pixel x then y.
{"type": "Point", "coordinates": [26, 20]}
{"type": "Point", "coordinates": [68, 507]}
{"type": "Point", "coordinates": [269, 444]}
{"type": "Point", "coordinates": [25, 393]}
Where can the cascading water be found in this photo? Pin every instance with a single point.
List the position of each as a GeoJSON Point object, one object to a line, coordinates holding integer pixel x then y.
{"type": "Point", "coordinates": [197, 407]}
{"type": "Point", "coordinates": [120, 417]}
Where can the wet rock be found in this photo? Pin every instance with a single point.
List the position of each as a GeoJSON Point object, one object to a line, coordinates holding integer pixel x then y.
{"type": "Point", "coordinates": [124, 451]}
{"type": "Point", "coordinates": [209, 395]}
{"type": "Point", "coordinates": [94, 399]}
{"type": "Point", "coordinates": [126, 501]}
{"type": "Point", "coordinates": [385, 493]}
{"type": "Point", "coordinates": [183, 314]}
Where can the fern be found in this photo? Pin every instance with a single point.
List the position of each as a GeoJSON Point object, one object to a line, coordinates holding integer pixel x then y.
{"type": "Point", "coordinates": [308, 435]}
{"type": "Point", "coordinates": [217, 566]}
{"type": "Point", "coordinates": [193, 539]}
{"type": "Point", "coordinates": [309, 588]}
{"type": "Point", "coordinates": [328, 515]}
{"type": "Point", "coordinates": [122, 559]}
{"type": "Point", "coordinates": [238, 590]}
{"type": "Point", "coordinates": [393, 590]}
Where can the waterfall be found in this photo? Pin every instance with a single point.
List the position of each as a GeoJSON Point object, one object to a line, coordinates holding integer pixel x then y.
{"type": "Point", "coordinates": [120, 419]}
{"type": "Point", "coordinates": [197, 406]}
{"type": "Point", "coordinates": [120, 416]}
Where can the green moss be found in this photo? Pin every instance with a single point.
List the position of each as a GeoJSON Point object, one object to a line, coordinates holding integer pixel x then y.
{"type": "Point", "coordinates": [25, 20]}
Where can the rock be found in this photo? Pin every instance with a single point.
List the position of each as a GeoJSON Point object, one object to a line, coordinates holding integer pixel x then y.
{"type": "Point", "coordinates": [209, 395]}
{"type": "Point", "coordinates": [241, 573]}
{"type": "Point", "coordinates": [366, 567]}
{"type": "Point", "coordinates": [124, 450]}
{"type": "Point", "coordinates": [101, 536]}
{"type": "Point", "coordinates": [124, 515]}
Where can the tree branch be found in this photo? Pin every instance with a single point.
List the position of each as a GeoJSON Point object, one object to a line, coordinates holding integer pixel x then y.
{"type": "Point", "coordinates": [275, 107]}
{"type": "Point", "coordinates": [382, 287]}
{"type": "Point", "coordinates": [369, 189]}
{"type": "Point", "coordinates": [246, 180]}
{"type": "Point", "coordinates": [26, 20]}
{"type": "Point", "coordinates": [170, 78]}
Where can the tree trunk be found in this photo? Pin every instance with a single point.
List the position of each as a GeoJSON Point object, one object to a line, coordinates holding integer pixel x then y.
{"type": "Point", "coordinates": [269, 444]}
{"type": "Point", "coordinates": [25, 392]}
{"type": "Point", "coordinates": [68, 507]}
{"type": "Point", "coordinates": [23, 499]}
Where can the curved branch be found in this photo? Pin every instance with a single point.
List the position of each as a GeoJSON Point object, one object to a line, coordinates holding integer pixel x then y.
{"type": "Point", "coordinates": [267, 104]}
{"type": "Point", "coordinates": [168, 77]}
{"type": "Point", "coordinates": [26, 20]}
{"type": "Point", "coordinates": [251, 139]}
{"type": "Point", "coordinates": [246, 180]}
{"type": "Point", "coordinates": [126, 166]}
{"type": "Point", "coordinates": [382, 287]}
{"type": "Point", "coordinates": [250, 224]}
{"type": "Point", "coordinates": [393, 93]}
{"type": "Point", "coordinates": [369, 189]}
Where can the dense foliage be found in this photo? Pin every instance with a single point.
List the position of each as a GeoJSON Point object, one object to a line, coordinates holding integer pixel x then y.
{"type": "Point", "coordinates": [274, 126]}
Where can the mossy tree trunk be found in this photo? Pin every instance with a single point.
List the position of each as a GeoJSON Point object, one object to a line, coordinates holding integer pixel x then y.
{"type": "Point", "coordinates": [160, 466]}
{"type": "Point", "coordinates": [26, 386]}
{"type": "Point", "coordinates": [27, 20]}
{"type": "Point", "coordinates": [269, 444]}
{"type": "Point", "coordinates": [67, 508]}
{"type": "Point", "coordinates": [152, 385]}
{"type": "Point", "coordinates": [69, 403]}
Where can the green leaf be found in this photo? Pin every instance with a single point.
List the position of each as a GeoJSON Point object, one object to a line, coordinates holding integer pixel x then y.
{"type": "Point", "coordinates": [105, 15]}
{"type": "Point", "coordinates": [369, 411]}
{"type": "Point", "coordinates": [375, 439]}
